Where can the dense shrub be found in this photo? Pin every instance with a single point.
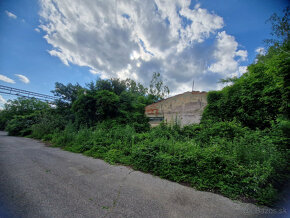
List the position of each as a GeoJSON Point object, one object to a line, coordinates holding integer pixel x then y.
{"type": "Point", "coordinates": [238, 162]}
{"type": "Point", "coordinates": [20, 107]}
{"type": "Point", "coordinates": [47, 124]}
{"type": "Point", "coordinates": [20, 125]}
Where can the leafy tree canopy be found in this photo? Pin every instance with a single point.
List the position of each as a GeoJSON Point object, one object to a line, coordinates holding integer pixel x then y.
{"type": "Point", "coordinates": [260, 96]}
{"type": "Point", "coordinates": [280, 28]}
{"type": "Point", "coordinates": [157, 88]}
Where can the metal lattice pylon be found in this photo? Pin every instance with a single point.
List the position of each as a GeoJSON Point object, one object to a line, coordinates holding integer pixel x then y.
{"type": "Point", "coordinates": [27, 94]}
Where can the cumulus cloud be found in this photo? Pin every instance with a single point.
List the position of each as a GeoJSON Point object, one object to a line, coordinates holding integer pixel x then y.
{"type": "Point", "coordinates": [133, 39]}
{"type": "Point", "coordinates": [22, 78]}
{"type": "Point", "coordinates": [37, 30]}
{"type": "Point", "coordinates": [2, 102]}
{"type": "Point", "coordinates": [11, 15]}
{"type": "Point", "coordinates": [260, 51]}
{"type": "Point", "coordinates": [225, 54]}
{"type": "Point", "coordinates": [6, 79]}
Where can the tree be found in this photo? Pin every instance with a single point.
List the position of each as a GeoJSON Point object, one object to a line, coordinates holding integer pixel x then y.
{"type": "Point", "coordinates": [102, 84]}
{"type": "Point", "coordinates": [280, 28]}
{"type": "Point", "coordinates": [131, 110]}
{"type": "Point", "coordinates": [67, 93]}
{"type": "Point", "coordinates": [136, 88]}
{"type": "Point", "coordinates": [95, 106]}
{"type": "Point", "coordinates": [19, 114]}
{"type": "Point", "coordinates": [118, 85]}
{"type": "Point", "coordinates": [115, 85]}
{"type": "Point", "coordinates": [20, 106]}
{"type": "Point", "coordinates": [106, 104]}
{"type": "Point", "coordinates": [84, 109]}
{"type": "Point", "coordinates": [157, 89]}
{"type": "Point", "coordinates": [24, 106]}
{"type": "Point", "coordinates": [260, 96]}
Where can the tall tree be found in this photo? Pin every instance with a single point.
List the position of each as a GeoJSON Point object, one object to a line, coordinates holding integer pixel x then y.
{"type": "Point", "coordinates": [280, 28]}
{"type": "Point", "coordinates": [157, 89]}
{"type": "Point", "coordinates": [67, 92]}
{"type": "Point", "coordinates": [260, 96]}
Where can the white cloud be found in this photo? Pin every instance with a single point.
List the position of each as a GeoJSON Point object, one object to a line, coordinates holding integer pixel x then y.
{"type": "Point", "coordinates": [225, 54]}
{"type": "Point", "coordinates": [6, 79]}
{"type": "Point", "coordinates": [260, 51]}
{"type": "Point", "coordinates": [242, 70]}
{"type": "Point", "coordinates": [22, 78]}
{"type": "Point", "coordinates": [2, 102]}
{"type": "Point", "coordinates": [37, 30]}
{"type": "Point", "coordinates": [243, 54]}
{"type": "Point", "coordinates": [128, 38]}
{"type": "Point", "coordinates": [203, 24]}
{"type": "Point", "coordinates": [11, 15]}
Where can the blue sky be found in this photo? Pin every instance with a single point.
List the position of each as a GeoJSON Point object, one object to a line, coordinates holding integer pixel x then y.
{"type": "Point", "coordinates": [46, 41]}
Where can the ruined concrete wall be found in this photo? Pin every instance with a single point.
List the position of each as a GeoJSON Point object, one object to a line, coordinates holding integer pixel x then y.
{"type": "Point", "coordinates": [184, 109]}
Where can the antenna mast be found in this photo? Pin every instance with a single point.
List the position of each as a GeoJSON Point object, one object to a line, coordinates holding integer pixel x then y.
{"type": "Point", "coordinates": [192, 85]}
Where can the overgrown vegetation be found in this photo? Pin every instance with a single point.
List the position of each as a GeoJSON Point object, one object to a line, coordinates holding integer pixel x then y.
{"type": "Point", "coordinates": [240, 149]}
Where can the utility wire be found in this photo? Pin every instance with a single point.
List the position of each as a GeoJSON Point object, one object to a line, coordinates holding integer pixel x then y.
{"type": "Point", "coordinates": [27, 94]}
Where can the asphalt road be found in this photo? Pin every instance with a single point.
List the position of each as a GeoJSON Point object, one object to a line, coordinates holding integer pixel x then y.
{"type": "Point", "coordinates": [41, 181]}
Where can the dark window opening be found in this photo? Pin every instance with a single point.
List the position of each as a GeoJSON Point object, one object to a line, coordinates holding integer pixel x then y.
{"type": "Point", "coordinates": [156, 119]}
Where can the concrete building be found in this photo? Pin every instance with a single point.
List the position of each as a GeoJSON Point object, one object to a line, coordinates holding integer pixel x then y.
{"type": "Point", "coordinates": [184, 109]}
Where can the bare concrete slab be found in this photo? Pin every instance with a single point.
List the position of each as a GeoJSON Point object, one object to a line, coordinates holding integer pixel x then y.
{"type": "Point", "coordinates": [40, 181]}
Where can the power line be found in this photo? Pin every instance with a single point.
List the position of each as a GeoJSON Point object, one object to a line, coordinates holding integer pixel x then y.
{"type": "Point", "coordinates": [27, 94]}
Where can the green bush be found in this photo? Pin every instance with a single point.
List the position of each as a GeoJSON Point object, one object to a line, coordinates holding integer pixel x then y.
{"type": "Point", "coordinates": [47, 124]}
{"type": "Point", "coordinates": [64, 138]}
{"type": "Point", "coordinates": [20, 125]}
